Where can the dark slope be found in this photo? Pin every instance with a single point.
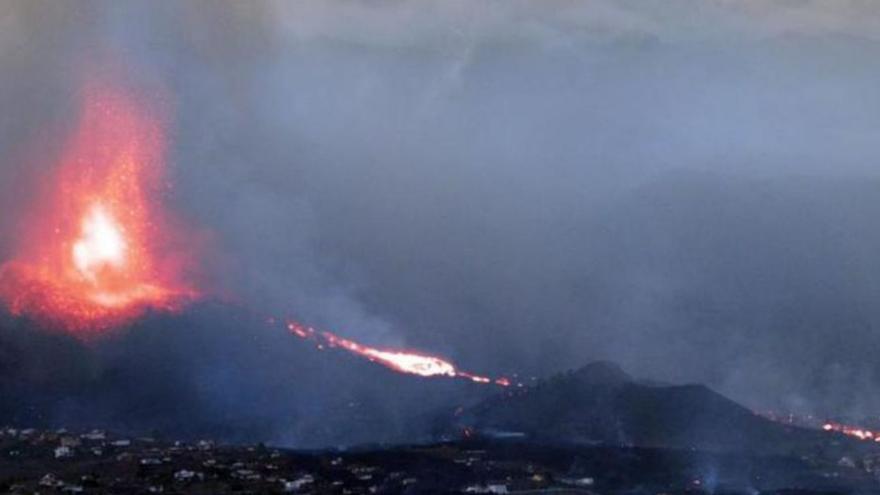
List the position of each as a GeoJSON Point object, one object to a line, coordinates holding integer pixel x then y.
{"type": "Point", "coordinates": [601, 404]}
{"type": "Point", "coordinates": [215, 371]}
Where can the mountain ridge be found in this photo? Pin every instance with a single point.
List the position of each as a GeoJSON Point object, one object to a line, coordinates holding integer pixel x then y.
{"type": "Point", "coordinates": [602, 404]}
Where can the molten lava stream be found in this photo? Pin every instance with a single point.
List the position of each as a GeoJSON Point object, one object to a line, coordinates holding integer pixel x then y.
{"type": "Point", "coordinates": [852, 431]}
{"type": "Point", "coordinates": [414, 363]}
{"type": "Point", "coordinates": [93, 254]}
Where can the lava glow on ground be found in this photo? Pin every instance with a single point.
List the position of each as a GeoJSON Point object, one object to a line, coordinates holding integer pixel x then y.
{"type": "Point", "coordinates": [852, 431]}
{"type": "Point", "coordinates": [401, 361]}
{"type": "Point", "coordinates": [93, 253]}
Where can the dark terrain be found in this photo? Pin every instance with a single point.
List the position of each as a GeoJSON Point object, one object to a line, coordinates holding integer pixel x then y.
{"type": "Point", "coordinates": [63, 462]}
{"type": "Point", "coordinates": [600, 403]}
{"type": "Point", "coordinates": [593, 430]}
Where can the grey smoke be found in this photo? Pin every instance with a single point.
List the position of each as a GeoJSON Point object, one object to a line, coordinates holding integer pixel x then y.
{"type": "Point", "coordinates": [685, 187]}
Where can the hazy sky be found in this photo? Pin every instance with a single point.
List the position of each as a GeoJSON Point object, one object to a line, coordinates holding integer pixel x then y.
{"type": "Point", "coordinates": [686, 187]}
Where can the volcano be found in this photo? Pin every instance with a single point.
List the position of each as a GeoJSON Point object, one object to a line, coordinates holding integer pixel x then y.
{"type": "Point", "coordinates": [97, 249]}
{"type": "Point", "coordinates": [215, 370]}
{"type": "Point", "coordinates": [602, 404]}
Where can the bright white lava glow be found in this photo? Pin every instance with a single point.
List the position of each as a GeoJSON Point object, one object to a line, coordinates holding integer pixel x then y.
{"type": "Point", "coordinates": [413, 363]}
{"type": "Point", "coordinates": [100, 243]}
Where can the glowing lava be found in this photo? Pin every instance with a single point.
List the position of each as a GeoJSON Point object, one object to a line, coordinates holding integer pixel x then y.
{"type": "Point", "coordinates": [101, 244]}
{"type": "Point", "coordinates": [95, 251]}
{"type": "Point", "coordinates": [414, 363]}
{"type": "Point", "coordinates": [811, 421]}
{"type": "Point", "coordinates": [852, 431]}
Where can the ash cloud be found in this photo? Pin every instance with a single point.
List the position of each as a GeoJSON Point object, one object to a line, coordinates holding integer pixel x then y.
{"type": "Point", "coordinates": [687, 188]}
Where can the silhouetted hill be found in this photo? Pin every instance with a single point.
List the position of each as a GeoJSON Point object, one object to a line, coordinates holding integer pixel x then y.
{"type": "Point", "coordinates": [600, 403]}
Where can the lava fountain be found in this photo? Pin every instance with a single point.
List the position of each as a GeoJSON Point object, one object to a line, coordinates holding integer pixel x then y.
{"type": "Point", "coordinates": [95, 253]}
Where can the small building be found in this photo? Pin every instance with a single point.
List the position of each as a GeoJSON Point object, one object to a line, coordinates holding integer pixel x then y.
{"type": "Point", "coordinates": [63, 452]}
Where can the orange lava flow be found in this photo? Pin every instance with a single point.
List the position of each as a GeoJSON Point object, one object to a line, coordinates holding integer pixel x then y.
{"type": "Point", "coordinates": [852, 431]}
{"type": "Point", "coordinates": [415, 363]}
{"type": "Point", "coordinates": [811, 421]}
{"type": "Point", "coordinates": [93, 251]}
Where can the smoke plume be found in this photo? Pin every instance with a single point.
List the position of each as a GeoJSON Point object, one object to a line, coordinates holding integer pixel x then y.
{"type": "Point", "coordinates": [686, 187]}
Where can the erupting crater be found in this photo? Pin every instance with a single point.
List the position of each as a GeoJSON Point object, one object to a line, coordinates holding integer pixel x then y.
{"type": "Point", "coordinates": [98, 250]}
{"type": "Point", "coordinates": [94, 253]}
